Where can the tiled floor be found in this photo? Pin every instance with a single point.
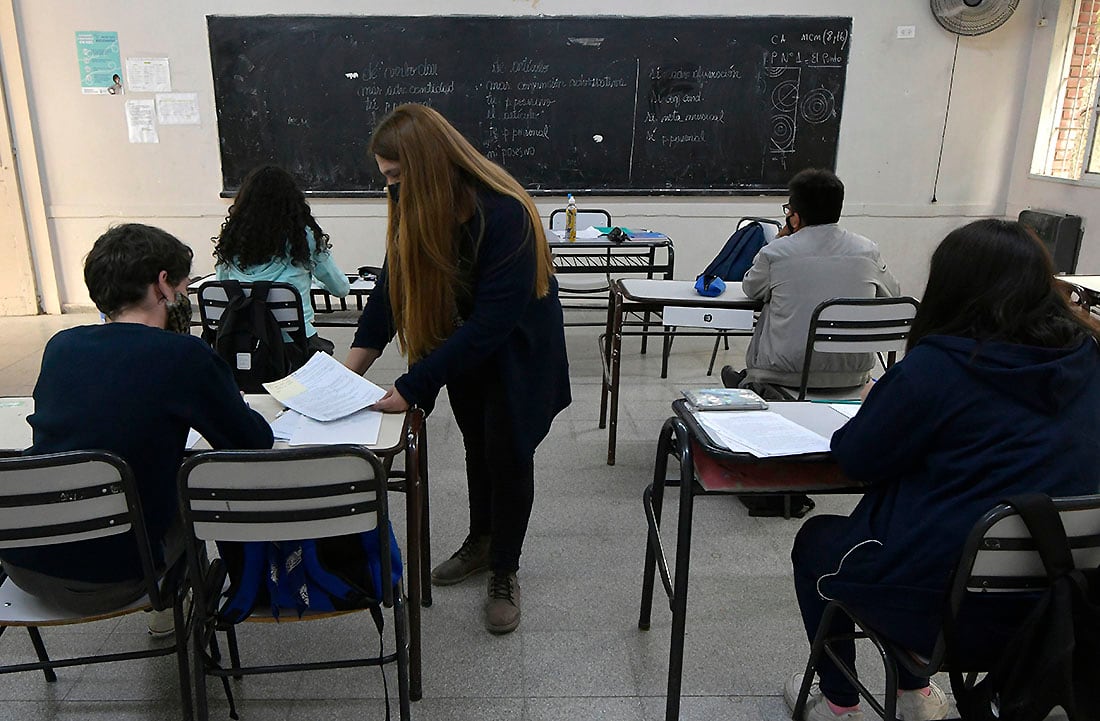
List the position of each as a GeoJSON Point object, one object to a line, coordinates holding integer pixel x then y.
{"type": "Point", "coordinates": [578, 654]}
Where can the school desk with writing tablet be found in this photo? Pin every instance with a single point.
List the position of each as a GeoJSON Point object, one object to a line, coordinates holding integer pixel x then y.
{"type": "Point", "coordinates": [641, 295]}
{"type": "Point", "coordinates": [600, 104]}
{"type": "Point", "coordinates": [704, 466]}
{"type": "Point", "coordinates": [400, 434]}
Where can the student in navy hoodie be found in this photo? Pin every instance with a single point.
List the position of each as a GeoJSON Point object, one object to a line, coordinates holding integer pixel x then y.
{"type": "Point", "coordinates": [998, 394]}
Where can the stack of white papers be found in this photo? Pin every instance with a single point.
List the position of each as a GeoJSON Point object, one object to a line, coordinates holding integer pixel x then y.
{"type": "Point", "coordinates": [327, 404]}
{"type": "Point", "coordinates": [324, 390]}
{"type": "Point", "coordinates": [761, 433]}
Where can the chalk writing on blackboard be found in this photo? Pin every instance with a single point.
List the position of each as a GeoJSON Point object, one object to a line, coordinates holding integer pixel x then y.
{"type": "Point", "coordinates": [581, 104]}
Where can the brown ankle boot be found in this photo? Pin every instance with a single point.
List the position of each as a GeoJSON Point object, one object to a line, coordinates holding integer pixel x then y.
{"type": "Point", "coordinates": [502, 606]}
{"type": "Point", "coordinates": [471, 557]}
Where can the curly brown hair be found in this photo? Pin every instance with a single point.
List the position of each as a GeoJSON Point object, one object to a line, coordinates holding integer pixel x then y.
{"type": "Point", "coordinates": [268, 220]}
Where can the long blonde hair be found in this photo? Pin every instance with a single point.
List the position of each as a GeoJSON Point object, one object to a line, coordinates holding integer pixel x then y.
{"type": "Point", "coordinates": [439, 174]}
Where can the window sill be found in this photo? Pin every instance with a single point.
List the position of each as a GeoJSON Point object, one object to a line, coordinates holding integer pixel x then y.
{"type": "Point", "coordinates": [1091, 180]}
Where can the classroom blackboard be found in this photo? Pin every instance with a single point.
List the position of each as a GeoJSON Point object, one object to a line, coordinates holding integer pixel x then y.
{"type": "Point", "coordinates": [607, 105]}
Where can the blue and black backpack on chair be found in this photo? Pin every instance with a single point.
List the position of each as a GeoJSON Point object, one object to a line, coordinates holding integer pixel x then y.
{"type": "Point", "coordinates": [736, 256]}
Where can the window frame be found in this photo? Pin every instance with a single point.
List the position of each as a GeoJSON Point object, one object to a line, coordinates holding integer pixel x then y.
{"type": "Point", "coordinates": [1046, 148]}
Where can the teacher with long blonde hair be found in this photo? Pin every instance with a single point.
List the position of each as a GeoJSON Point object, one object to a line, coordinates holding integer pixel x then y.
{"type": "Point", "coordinates": [468, 289]}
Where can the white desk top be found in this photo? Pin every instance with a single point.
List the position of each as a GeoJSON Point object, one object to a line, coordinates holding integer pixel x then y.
{"type": "Point", "coordinates": [15, 433]}
{"type": "Point", "coordinates": [682, 292]}
{"type": "Point", "coordinates": [1088, 282]}
{"type": "Point", "coordinates": [821, 418]}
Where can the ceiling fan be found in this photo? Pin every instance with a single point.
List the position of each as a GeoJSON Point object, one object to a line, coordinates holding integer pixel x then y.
{"type": "Point", "coordinates": [972, 17]}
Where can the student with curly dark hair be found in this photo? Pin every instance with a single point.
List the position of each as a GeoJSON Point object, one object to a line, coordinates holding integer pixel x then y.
{"type": "Point", "coordinates": [271, 235]}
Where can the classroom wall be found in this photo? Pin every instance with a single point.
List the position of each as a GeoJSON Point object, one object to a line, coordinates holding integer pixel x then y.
{"type": "Point", "coordinates": [893, 122]}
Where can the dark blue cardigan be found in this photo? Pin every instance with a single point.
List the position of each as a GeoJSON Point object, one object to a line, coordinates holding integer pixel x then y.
{"type": "Point", "coordinates": [515, 339]}
{"type": "Point", "coordinates": [947, 433]}
{"type": "Point", "coordinates": [133, 390]}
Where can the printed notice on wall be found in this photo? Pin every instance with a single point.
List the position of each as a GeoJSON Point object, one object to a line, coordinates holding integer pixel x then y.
{"type": "Point", "coordinates": [178, 108]}
{"type": "Point", "coordinates": [148, 75]}
{"type": "Point", "coordinates": [99, 62]}
{"type": "Point", "coordinates": [141, 123]}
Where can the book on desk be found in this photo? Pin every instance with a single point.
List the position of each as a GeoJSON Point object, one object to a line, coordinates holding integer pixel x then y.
{"type": "Point", "coordinates": [724, 399]}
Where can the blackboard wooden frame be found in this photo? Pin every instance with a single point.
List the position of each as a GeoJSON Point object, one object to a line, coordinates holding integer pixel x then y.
{"type": "Point", "coordinates": [597, 105]}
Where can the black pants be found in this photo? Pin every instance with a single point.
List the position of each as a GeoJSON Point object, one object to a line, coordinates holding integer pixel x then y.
{"type": "Point", "coordinates": [984, 626]}
{"type": "Point", "coordinates": [501, 483]}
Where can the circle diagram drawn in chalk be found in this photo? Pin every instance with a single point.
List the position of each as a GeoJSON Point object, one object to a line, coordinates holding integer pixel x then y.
{"type": "Point", "coordinates": [785, 96]}
{"type": "Point", "coordinates": [818, 106]}
{"type": "Point", "coordinates": [782, 137]}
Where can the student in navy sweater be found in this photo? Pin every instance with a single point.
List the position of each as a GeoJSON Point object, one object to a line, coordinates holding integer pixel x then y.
{"type": "Point", "coordinates": [998, 394]}
{"type": "Point", "coordinates": [469, 291]}
{"type": "Point", "coordinates": [133, 386]}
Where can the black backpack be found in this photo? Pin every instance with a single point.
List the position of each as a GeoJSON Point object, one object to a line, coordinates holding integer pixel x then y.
{"type": "Point", "coordinates": [1053, 658]}
{"type": "Point", "coordinates": [250, 341]}
{"type": "Point", "coordinates": [737, 254]}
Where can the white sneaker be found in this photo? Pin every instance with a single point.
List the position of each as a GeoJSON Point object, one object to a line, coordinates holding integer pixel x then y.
{"type": "Point", "coordinates": [817, 707]}
{"type": "Point", "coordinates": [915, 706]}
{"type": "Point", "coordinates": [161, 624]}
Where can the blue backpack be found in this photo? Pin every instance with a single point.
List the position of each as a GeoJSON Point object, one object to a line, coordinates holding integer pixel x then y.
{"type": "Point", "coordinates": [737, 254]}
{"type": "Point", "coordinates": [318, 576]}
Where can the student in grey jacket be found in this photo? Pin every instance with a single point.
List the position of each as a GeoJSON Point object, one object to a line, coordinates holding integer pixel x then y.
{"type": "Point", "coordinates": [811, 261]}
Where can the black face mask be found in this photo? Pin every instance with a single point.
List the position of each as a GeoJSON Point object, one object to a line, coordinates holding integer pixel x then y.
{"type": "Point", "coordinates": [179, 315]}
{"type": "Point", "coordinates": [394, 189]}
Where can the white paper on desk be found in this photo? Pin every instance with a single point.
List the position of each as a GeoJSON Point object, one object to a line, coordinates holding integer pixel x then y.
{"type": "Point", "coordinates": [285, 424]}
{"type": "Point", "coordinates": [361, 284]}
{"type": "Point", "coordinates": [193, 438]}
{"type": "Point", "coordinates": [763, 433]}
{"type": "Point", "coordinates": [361, 428]}
{"type": "Point", "coordinates": [719, 436]}
{"type": "Point", "coordinates": [848, 410]}
{"type": "Point", "coordinates": [589, 233]}
{"type": "Point", "coordinates": [200, 282]}
{"type": "Point", "coordinates": [324, 390]}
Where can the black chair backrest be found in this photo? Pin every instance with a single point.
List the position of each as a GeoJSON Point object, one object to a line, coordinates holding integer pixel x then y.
{"type": "Point", "coordinates": [1000, 557]}
{"type": "Point", "coordinates": [282, 495]}
{"type": "Point", "coordinates": [74, 496]}
{"type": "Point", "coordinates": [585, 217]}
{"type": "Point", "coordinates": [858, 325]}
{"type": "Point", "coordinates": [283, 300]}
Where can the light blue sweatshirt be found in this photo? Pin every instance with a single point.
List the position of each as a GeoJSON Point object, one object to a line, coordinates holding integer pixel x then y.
{"type": "Point", "coordinates": [282, 270]}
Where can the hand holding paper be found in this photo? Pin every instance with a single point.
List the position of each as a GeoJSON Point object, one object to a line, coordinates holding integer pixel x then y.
{"type": "Point", "coordinates": [324, 390]}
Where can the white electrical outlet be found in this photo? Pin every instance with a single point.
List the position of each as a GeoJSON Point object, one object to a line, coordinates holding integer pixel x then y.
{"type": "Point", "coordinates": [907, 32]}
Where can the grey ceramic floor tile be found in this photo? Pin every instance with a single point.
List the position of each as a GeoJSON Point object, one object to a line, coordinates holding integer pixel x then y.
{"type": "Point", "coordinates": [577, 663]}
{"type": "Point", "coordinates": [627, 708]}
{"type": "Point", "coordinates": [709, 708]}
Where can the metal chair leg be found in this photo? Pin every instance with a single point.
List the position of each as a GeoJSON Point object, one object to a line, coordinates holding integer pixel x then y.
{"type": "Point", "coordinates": [182, 660]}
{"type": "Point", "coordinates": [234, 652]}
{"type": "Point", "coordinates": [400, 631]}
{"type": "Point", "coordinates": [40, 650]}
